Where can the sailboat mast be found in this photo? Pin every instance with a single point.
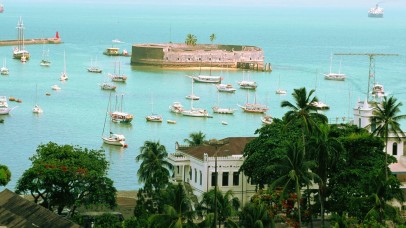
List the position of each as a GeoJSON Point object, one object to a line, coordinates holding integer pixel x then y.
{"type": "Point", "coordinates": [331, 61]}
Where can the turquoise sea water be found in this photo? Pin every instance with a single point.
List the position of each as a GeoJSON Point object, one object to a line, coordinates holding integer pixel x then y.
{"type": "Point", "coordinates": [297, 41]}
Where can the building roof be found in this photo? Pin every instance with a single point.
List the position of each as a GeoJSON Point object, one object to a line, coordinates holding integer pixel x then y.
{"type": "Point", "coordinates": [225, 147]}
{"type": "Point", "coordinates": [15, 211]}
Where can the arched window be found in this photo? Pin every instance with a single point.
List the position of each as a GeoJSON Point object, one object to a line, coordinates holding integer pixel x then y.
{"type": "Point", "coordinates": [359, 122]}
{"type": "Point", "coordinates": [394, 148]}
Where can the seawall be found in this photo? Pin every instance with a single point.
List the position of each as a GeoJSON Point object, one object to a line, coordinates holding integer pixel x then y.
{"type": "Point", "coordinates": [200, 55]}
{"type": "Point", "coordinates": [31, 41]}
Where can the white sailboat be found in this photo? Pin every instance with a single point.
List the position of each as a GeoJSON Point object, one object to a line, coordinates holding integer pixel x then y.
{"type": "Point", "coordinates": [247, 84]}
{"type": "Point", "coordinates": [37, 108]}
{"type": "Point", "coordinates": [192, 96]}
{"type": "Point", "coordinates": [93, 67]}
{"type": "Point", "coordinates": [279, 90]}
{"type": "Point", "coordinates": [64, 74]}
{"type": "Point", "coordinates": [195, 112]}
{"type": "Point", "coordinates": [153, 117]}
{"type": "Point", "coordinates": [4, 70]}
{"type": "Point", "coordinates": [119, 116]}
{"type": "Point", "coordinates": [45, 58]}
{"type": "Point", "coordinates": [112, 138]}
{"type": "Point", "coordinates": [254, 107]}
{"type": "Point", "coordinates": [221, 110]}
{"type": "Point", "coordinates": [176, 107]}
{"type": "Point", "coordinates": [334, 76]}
{"type": "Point", "coordinates": [19, 52]}
{"type": "Point", "coordinates": [117, 77]}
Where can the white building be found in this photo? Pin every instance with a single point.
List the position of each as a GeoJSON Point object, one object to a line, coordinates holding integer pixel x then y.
{"type": "Point", "coordinates": [197, 166]}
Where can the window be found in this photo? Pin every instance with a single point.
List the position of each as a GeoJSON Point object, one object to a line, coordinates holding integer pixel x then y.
{"type": "Point", "coordinates": [177, 168]}
{"type": "Point", "coordinates": [200, 177]}
{"type": "Point", "coordinates": [213, 179]}
{"type": "Point", "coordinates": [195, 176]}
{"type": "Point", "coordinates": [225, 179]}
{"type": "Point", "coordinates": [359, 122]}
{"type": "Point", "coordinates": [236, 178]}
{"type": "Point", "coordinates": [190, 173]}
{"type": "Point", "coordinates": [373, 124]}
{"type": "Point", "coordinates": [394, 148]}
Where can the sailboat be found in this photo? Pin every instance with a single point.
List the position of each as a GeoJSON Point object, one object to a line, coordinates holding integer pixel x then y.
{"type": "Point", "coordinates": [45, 58]}
{"type": "Point", "coordinates": [153, 117]}
{"type": "Point", "coordinates": [64, 75]}
{"type": "Point", "coordinates": [319, 104]}
{"type": "Point", "coordinates": [37, 108]}
{"type": "Point", "coordinates": [254, 107]}
{"type": "Point", "coordinates": [93, 67]}
{"type": "Point", "coordinates": [192, 96]}
{"type": "Point", "coordinates": [247, 84]}
{"type": "Point", "coordinates": [206, 78]}
{"type": "Point", "coordinates": [334, 76]}
{"type": "Point", "coordinates": [4, 70]}
{"type": "Point", "coordinates": [279, 90]}
{"type": "Point", "coordinates": [19, 52]}
{"type": "Point", "coordinates": [195, 112]}
{"type": "Point", "coordinates": [112, 139]}
{"type": "Point", "coordinates": [117, 77]}
{"type": "Point", "coordinates": [220, 110]}
{"type": "Point", "coordinates": [119, 116]}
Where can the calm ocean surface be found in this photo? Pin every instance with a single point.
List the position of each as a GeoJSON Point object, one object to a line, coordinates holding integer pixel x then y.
{"type": "Point", "coordinates": [297, 41]}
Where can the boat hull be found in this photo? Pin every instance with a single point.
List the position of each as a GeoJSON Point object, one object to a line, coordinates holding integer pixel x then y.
{"type": "Point", "coordinates": [5, 111]}
{"type": "Point", "coordinates": [112, 141]}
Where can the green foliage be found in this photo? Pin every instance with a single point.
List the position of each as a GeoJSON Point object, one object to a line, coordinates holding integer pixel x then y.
{"type": "Point", "coordinates": [268, 148]}
{"type": "Point", "coordinates": [195, 138]}
{"type": "Point", "coordinates": [134, 222]}
{"type": "Point", "coordinates": [67, 176]}
{"type": "Point", "coordinates": [255, 214]}
{"type": "Point", "coordinates": [5, 175]}
{"type": "Point", "coordinates": [154, 170]}
{"type": "Point", "coordinates": [107, 220]}
{"type": "Point", "coordinates": [191, 39]}
{"type": "Point", "coordinates": [212, 37]}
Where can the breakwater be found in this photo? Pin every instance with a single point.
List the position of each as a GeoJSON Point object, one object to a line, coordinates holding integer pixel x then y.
{"type": "Point", "coordinates": [52, 40]}
{"type": "Point", "coordinates": [200, 55]}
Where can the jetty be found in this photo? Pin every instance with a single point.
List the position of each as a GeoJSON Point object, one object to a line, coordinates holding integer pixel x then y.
{"type": "Point", "coordinates": [200, 55]}
{"type": "Point", "coordinates": [53, 40]}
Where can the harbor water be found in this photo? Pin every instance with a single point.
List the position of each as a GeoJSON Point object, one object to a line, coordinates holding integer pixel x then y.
{"type": "Point", "coordinates": [298, 42]}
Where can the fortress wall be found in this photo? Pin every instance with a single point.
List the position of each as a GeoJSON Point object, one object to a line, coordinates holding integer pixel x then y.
{"type": "Point", "coordinates": [198, 55]}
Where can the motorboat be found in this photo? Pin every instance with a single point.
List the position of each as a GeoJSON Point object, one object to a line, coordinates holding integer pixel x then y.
{"type": "Point", "coordinates": [176, 107]}
{"type": "Point", "coordinates": [281, 91]}
{"type": "Point", "coordinates": [107, 86]}
{"type": "Point", "coordinates": [56, 87]}
{"type": "Point", "coordinates": [171, 121]}
{"type": "Point", "coordinates": [224, 123]}
{"type": "Point", "coordinates": [206, 79]}
{"type": "Point", "coordinates": [267, 119]}
{"type": "Point", "coordinates": [228, 88]}
{"type": "Point", "coordinates": [115, 139]}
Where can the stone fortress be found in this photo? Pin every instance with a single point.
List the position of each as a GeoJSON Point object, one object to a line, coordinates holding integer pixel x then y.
{"type": "Point", "coordinates": [199, 55]}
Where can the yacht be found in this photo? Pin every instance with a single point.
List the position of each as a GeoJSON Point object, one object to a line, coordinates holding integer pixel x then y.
{"type": "Point", "coordinates": [267, 119]}
{"type": "Point", "coordinates": [176, 107]}
{"type": "Point", "coordinates": [376, 12]}
{"type": "Point", "coordinates": [228, 88]}
{"type": "Point", "coordinates": [334, 76]}
{"type": "Point", "coordinates": [320, 105]}
{"type": "Point", "coordinates": [37, 109]}
{"type": "Point", "coordinates": [115, 139]}
{"type": "Point", "coordinates": [206, 78]}
{"type": "Point", "coordinates": [154, 118]}
{"type": "Point", "coordinates": [244, 84]}
{"type": "Point", "coordinates": [4, 70]}
{"type": "Point", "coordinates": [219, 110]}
{"type": "Point", "coordinates": [107, 86]}
{"type": "Point", "coordinates": [4, 109]}
{"type": "Point", "coordinates": [55, 87]}
{"type": "Point", "coordinates": [254, 107]}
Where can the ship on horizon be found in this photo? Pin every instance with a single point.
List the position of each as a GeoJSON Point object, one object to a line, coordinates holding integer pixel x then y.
{"type": "Point", "coordinates": [376, 12]}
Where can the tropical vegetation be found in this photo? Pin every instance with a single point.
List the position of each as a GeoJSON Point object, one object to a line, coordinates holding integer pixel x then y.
{"type": "Point", "coordinates": [191, 39]}
{"type": "Point", "coordinates": [5, 175]}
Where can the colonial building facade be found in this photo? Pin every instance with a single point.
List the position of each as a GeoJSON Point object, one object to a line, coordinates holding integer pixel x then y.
{"type": "Point", "coordinates": [197, 167]}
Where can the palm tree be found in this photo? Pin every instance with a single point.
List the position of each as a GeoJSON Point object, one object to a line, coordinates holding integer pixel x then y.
{"type": "Point", "coordinates": [195, 139]}
{"type": "Point", "coordinates": [303, 111]}
{"type": "Point", "coordinates": [295, 172]}
{"type": "Point", "coordinates": [154, 170]}
{"type": "Point", "coordinates": [227, 205]}
{"type": "Point", "coordinates": [385, 116]}
{"type": "Point", "coordinates": [5, 175]}
{"type": "Point", "coordinates": [191, 39]}
{"type": "Point", "coordinates": [255, 215]}
{"type": "Point", "coordinates": [325, 151]}
{"type": "Point", "coordinates": [212, 37]}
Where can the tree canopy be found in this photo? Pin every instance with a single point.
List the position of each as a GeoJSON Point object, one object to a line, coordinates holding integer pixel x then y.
{"type": "Point", "coordinates": [68, 176]}
{"type": "Point", "coordinates": [5, 175]}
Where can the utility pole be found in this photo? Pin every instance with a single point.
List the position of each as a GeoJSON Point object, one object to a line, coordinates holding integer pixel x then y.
{"type": "Point", "coordinates": [371, 72]}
